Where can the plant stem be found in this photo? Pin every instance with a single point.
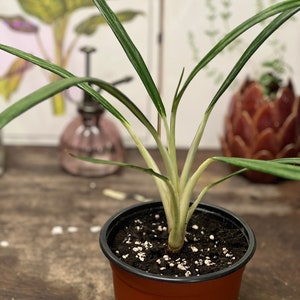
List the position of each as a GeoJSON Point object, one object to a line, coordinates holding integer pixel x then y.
{"type": "Point", "coordinates": [193, 150]}
{"type": "Point", "coordinates": [208, 187]}
{"type": "Point", "coordinates": [176, 236]}
{"type": "Point", "coordinates": [164, 189]}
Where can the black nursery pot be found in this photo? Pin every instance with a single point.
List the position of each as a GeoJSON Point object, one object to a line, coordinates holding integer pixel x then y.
{"type": "Point", "coordinates": [132, 283]}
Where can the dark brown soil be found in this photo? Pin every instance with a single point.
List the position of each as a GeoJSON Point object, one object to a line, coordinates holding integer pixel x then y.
{"type": "Point", "coordinates": [212, 244]}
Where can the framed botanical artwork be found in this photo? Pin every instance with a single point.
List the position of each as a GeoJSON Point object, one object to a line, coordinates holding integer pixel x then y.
{"type": "Point", "coordinates": [171, 35]}
{"type": "Point", "coordinates": [57, 31]}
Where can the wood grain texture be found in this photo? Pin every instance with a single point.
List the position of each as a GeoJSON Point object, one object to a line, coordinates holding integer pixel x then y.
{"type": "Point", "coordinates": [36, 195]}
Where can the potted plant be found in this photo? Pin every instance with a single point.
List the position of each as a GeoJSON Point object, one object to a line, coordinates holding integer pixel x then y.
{"type": "Point", "coordinates": [177, 215]}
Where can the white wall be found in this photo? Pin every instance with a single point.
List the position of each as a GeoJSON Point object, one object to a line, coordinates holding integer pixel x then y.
{"type": "Point", "coordinates": [185, 39]}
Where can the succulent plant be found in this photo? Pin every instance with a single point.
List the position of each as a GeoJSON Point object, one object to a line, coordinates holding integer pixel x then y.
{"type": "Point", "coordinates": [263, 122]}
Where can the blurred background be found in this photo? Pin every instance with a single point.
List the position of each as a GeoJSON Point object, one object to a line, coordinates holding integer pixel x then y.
{"type": "Point", "coordinates": [188, 29]}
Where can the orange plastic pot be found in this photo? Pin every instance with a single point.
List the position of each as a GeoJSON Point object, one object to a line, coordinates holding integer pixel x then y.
{"type": "Point", "coordinates": [132, 283]}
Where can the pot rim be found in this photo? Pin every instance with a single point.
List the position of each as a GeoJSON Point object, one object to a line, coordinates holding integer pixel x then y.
{"type": "Point", "coordinates": [210, 208]}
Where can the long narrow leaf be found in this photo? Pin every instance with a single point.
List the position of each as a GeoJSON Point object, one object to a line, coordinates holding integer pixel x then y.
{"type": "Point", "coordinates": [40, 95]}
{"type": "Point", "coordinates": [256, 43]}
{"type": "Point", "coordinates": [252, 48]}
{"type": "Point", "coordinates": [274, 167]}
{"type": "Point", "coordinates": [133, 54]}
{"type": "Point", "coordinates": [19, 108]}
{"type": "Point", "coordinates": [64, 74]}
{"type": "Point", "coordinates": [207, 188]}
{"type": "Point", "coordinates": [104, 85]}
{"type": "Point", "coordinates": [143, 119]}
{"type": "Point", "coordinates": [289, 160]}
{"type": "Point", "coordinates": [120, 164]}
{"type": "Point", "coordinates": [119, 95]}
{"type": "Point", "coordinates": [231, 36]}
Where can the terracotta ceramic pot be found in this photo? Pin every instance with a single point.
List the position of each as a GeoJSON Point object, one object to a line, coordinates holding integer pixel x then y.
{"type": "Point", "coordinates": [132, 283]}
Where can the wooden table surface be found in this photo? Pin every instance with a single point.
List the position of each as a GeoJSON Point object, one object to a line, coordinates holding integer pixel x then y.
{"type": "Point", "coordinates": [38, 200]}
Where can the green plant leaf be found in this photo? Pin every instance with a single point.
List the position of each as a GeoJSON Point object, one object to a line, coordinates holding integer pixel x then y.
{"type": "Point", "coordinates": [116, 93]}
{"type": "Point", "coordinates": [175, 191]}
{"type": "Point", "coordinates": [231, 36]}
{"type": "Point", "coordinates": [91, 24]}
{"type": "Point", "coordinates": [289, 160]}
{"type": "Point", "coordinates": [278, 168]}
{"type": "Point", "coordinates": [133, 55]}
{"type": "Point", "coordinates": [257, 42]}
{"type": "Point", "coordinates": [143, 119]}
{"type": "Point", "coordinates": [49, 11]}
{"type": "Point", "coordinates": [42, 94]}
{"type": "Point", "coordinates": [120, 164]}
{"type": "Point", "coordinates": [65, 74]}
{"type": "Point", "coordinates": [207, 188]}
{"type": "Point", "coordinates": [105, 86]}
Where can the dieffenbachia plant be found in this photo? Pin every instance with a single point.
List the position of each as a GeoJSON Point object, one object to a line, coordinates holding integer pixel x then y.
{"type": "Point", "coordinates": [175, 188]}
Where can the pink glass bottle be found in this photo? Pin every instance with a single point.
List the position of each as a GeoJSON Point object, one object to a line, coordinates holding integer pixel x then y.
{"type": "Point", "coordinates": [90, 134]}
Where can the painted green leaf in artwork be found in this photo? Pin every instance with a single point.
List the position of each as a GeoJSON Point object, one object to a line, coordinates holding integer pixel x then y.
{"type": "Point", "coordinates": [13, 76]}
{"type": "Point", "coordinates": [90, 25]}
{"type": "Point", "coordinates": [19, 23]}
{"type": "Point", "coordinates": [50, 10]}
